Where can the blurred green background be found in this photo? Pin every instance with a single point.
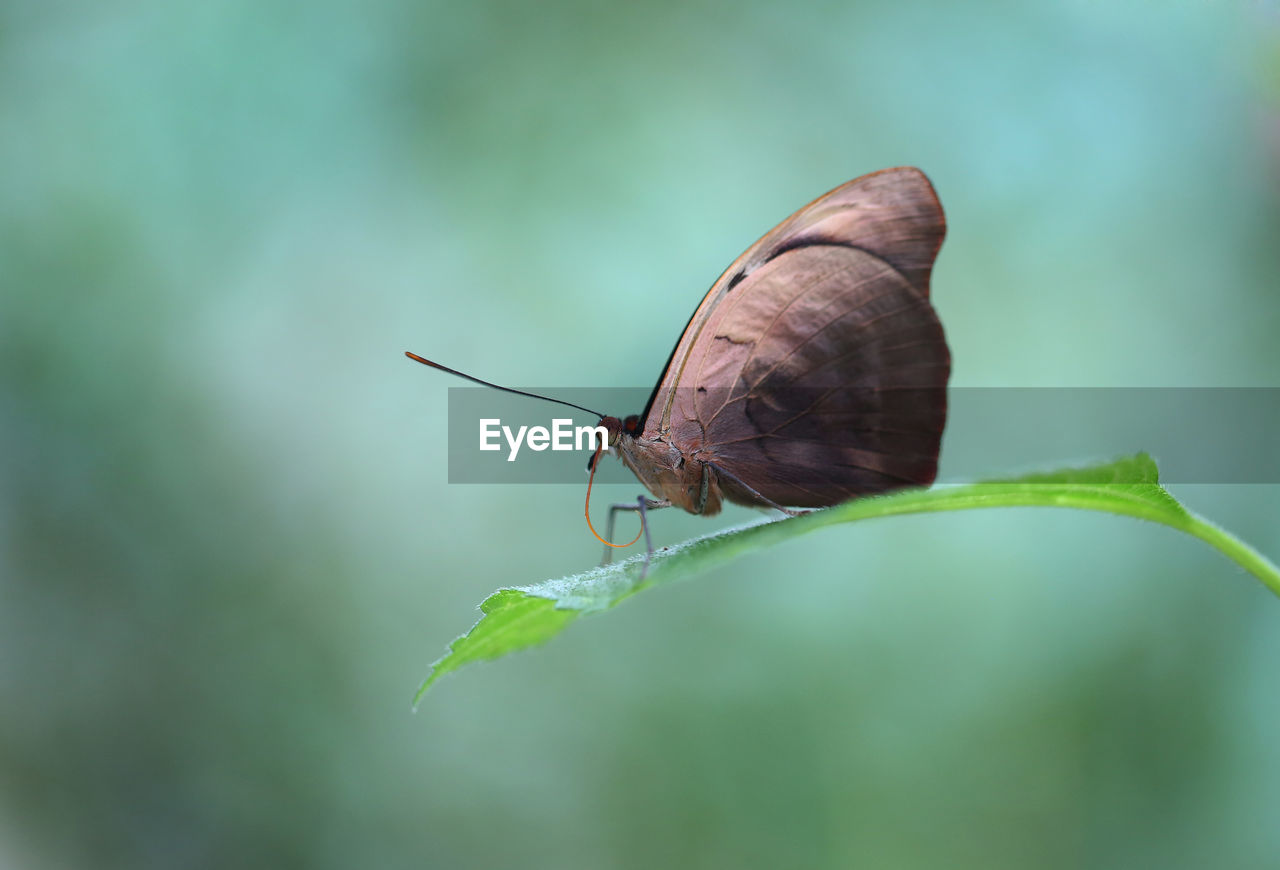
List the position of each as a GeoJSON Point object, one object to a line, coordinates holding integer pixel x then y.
{"type": "Point", "coordinates": [229, 549]}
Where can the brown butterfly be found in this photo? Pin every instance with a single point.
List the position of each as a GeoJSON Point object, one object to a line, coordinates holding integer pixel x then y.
{"type": "Point", "coordinates": [814, 371]}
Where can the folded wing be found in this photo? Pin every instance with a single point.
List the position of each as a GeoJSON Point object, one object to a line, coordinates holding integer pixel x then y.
{"type": "Point", "coordinates": [893, 215]}
{"type": "Point", "coordinates": [822, 379]}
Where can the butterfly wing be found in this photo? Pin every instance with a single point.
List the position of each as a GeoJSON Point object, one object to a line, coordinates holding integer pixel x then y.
{"type": "Point", "coordinates": [815, 369]}
{"type": "Point", "coordinates": [893, 213]}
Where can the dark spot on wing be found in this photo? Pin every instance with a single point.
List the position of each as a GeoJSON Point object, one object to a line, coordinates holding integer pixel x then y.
{"type": "Point", "coordinates": [809, 242]}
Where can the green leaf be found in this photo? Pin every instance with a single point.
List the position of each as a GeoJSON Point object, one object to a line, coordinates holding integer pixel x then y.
{"type": "Point", "coordinates": [512, 620]}
{"type": "Point", "coordinates": [524, 616]}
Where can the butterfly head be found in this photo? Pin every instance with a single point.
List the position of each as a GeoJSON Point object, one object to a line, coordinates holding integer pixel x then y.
{"type": "Point", "coordinates": [628, 426]}
{"type": "Point", "coordinates": [618, 427]}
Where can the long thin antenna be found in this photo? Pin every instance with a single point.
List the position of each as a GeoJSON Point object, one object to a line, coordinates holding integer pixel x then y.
{"type": "Point", "coordinates": [435, 365]}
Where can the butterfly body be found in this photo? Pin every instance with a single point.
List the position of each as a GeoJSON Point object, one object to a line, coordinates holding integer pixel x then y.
{"type": "Point", "coordinates": [679, 474]}
{"type": "Point", "coordinates": [813, 371]}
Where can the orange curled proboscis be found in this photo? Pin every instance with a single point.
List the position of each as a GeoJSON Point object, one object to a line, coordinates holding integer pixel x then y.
{"type": "Point", "coordinates": [595, 460]}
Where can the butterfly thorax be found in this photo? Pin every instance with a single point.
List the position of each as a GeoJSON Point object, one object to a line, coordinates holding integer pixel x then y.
{"type": "Point", "coordinates": [669, 473]}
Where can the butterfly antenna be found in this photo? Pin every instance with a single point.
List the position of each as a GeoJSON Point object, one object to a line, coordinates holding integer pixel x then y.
{"type": "Point", "coordinates": [436, 365]}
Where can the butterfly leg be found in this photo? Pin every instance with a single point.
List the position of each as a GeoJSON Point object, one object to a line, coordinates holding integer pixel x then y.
{"type": "Point", "coordinates": [641, 505]}
{"type": "Point", "coordinates": [791, 512]}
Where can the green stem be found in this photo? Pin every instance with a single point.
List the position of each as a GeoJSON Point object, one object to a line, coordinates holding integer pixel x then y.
{"type": "Point", "coordinates": [1237, 550]}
